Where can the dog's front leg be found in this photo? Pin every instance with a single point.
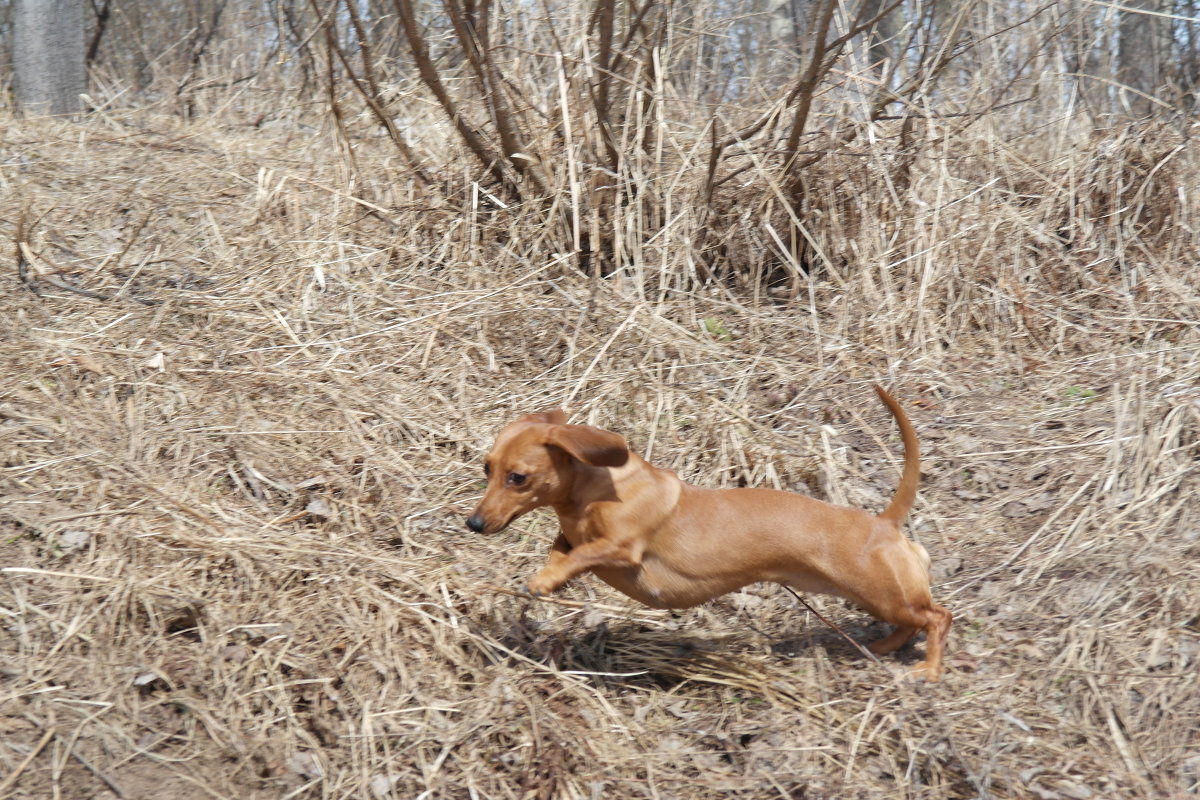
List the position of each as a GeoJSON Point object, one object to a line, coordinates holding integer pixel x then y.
{"type": "Point", "coordinates": [558, 551]}
{"type": "Point", "coordinates": [565, 564]}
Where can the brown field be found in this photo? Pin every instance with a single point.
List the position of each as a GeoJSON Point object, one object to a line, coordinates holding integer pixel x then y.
{"type": "Point", "coordinates": [246, 396]}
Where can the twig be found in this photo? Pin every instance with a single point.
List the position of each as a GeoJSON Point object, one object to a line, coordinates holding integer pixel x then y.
{"type": "Point", "coordinates": [8, 782]}
{"type": "Point", "coordinates": [133, 237]}
{"type": "Point", "coordinates": [26, 258]}
{"type": "Point", "coordinates": [830, 623]}
{"type": "Point", "coordinates": [52, 732]}
{"type": "Point", "coordinates": [109, 782]}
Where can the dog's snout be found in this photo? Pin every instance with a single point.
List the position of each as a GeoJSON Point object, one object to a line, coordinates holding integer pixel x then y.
{"type": "Point", "coordinates": [475, 522]}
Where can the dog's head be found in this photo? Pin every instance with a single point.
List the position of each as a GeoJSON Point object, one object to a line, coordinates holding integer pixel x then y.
{"type": "Point", "coordinates": [534, 462]}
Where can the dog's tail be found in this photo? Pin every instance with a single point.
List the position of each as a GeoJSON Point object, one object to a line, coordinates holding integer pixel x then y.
{"type": "Point", "coordinates": [906, 492]}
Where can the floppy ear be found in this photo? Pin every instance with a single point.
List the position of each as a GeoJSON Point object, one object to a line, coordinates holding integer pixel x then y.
{"type": "Point", "coordinates": [553, 416]}
{"type": "Point", "coordinates": [590, 445]}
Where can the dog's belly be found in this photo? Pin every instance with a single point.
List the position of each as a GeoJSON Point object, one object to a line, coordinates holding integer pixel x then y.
{"type": "Point", "coordinates": [658, 586]}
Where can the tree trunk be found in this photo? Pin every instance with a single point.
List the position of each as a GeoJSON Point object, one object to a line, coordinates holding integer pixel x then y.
{"type": "Point", "coordinates": [1144, 53]}
{"type": "Point", "coordinates": [48, 55]}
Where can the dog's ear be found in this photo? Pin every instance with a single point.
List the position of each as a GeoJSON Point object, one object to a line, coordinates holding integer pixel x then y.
{"type": "Point", "coordinates": [552, 416]}
{"type": "Point", "coordinates": [590, 445]}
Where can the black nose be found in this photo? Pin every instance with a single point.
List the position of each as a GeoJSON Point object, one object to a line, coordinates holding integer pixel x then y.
{"type": "Point", "coordinates": [476, 523]}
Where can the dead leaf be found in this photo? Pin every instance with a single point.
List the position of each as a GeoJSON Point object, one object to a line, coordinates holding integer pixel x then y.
{"type": "Point", "coordinates": [73, 539]}
{"type": "Point", "coordinates": [149, 681]}
{"type": "Point", "coordinates": [237, 653]}
{"type": "Point", "coordinates": [1029, 650]}
{"type": "Point", "coordinates": [1075, 791]}
{"type": "Point", "coordinates": [381, 785]}
{"type": "Point", "coordinates": [1039, 502]}
{"type": "Point", "coordinates": [946, 567]}
{"type": "Point", "coordinates": [1014, 509]}
{"type": "Point", "coordinates": [593, 618]}
{"type": "Point", "coordinates": [305, 764]}
{"type": "Point", "coordinates": [83, 362]}
{"type": "Point", "coordinates": [963, 661]}
{"type": "Point", "coordinates": [319, 507]}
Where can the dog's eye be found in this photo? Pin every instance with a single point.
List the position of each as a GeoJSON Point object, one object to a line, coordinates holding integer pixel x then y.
{"type": "Point", "coordinates": [487, 470]}
{"type": "Point", "coordinates": [516, 479]}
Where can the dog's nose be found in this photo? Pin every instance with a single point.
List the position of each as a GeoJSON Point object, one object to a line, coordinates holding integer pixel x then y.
{"type": "Point", "coordinates": [476, 523]}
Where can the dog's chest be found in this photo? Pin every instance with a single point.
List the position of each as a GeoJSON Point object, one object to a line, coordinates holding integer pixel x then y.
{"type": "Point", "coordinates": [578, 529]}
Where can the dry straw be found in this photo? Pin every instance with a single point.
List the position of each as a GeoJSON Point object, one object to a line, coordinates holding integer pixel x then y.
{"type": "Point", "coordinates": [250, 378]}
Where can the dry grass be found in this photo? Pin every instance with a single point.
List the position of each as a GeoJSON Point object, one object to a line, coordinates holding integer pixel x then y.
{"type": "Point", "coordinates": [232, 492]}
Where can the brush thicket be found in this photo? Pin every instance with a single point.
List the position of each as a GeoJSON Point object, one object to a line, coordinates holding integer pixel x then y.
{"type": "Point", "coordinates": [252, 370]}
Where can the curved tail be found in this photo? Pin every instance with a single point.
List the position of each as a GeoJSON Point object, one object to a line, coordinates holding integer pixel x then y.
{"type": "Point", "coordinates": [906, 492]}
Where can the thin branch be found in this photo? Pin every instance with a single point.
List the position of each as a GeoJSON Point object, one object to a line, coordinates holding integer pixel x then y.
{"type": "Point", "coordinates": [371, 93]}
{"type": "Point", "coordinates": [102, 14]}
{"type": "Point", "coordinates": [831, 624]}
{"type": "Point", "coordinates": [492, 161]}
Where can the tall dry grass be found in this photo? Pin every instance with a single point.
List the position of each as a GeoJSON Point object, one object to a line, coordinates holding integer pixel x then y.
{"type": "Point", "coordinates": [253, 360]}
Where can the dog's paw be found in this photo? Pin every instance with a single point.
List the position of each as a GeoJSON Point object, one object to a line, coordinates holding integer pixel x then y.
{"type": "Point", "coordinates": [925, 671]}
{"type": "Point", "coordinates": [539, 587]}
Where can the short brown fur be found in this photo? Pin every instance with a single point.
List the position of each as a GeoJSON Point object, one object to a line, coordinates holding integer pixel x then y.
{"type": "Point", "coordinates": [671, 545]}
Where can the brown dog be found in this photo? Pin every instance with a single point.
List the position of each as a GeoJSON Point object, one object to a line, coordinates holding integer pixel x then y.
{"type": "Point", "coordinates": [671, 545]}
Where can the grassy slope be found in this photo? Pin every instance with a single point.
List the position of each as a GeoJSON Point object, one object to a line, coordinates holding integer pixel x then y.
{"type": "Point", "coordinates": [184, 628]}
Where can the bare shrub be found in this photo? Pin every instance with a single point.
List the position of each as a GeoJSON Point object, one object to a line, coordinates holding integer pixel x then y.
{"type": "Point", "coordinates": [254, 349]}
